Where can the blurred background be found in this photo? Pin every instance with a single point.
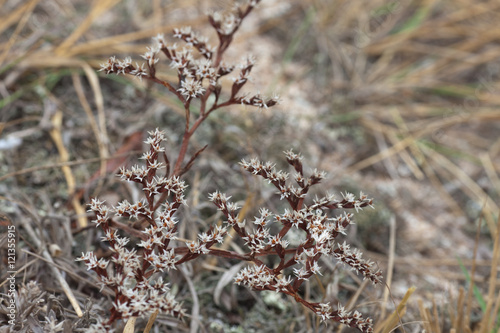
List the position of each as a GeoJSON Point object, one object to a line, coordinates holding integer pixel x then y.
{"type": "Point", "coordinates": [398, 99]}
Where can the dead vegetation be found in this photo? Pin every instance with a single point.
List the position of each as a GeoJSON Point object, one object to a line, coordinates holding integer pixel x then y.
{"type": "Point", "coordinates": [397, 97]}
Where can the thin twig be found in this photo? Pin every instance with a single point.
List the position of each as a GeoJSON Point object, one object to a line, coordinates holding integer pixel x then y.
{"type": "Point", "coordinates": [195, 313]}
{"type": "Point", "coordinates": [64, 285]}
{"type": "Point", "coordinates": [63, 164]}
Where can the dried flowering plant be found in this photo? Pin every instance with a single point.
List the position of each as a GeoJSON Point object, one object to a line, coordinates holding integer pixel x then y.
{"type": "Point", "coordinates": [198, 78]}
{"type": "Point", "coordinates": [136, 268]}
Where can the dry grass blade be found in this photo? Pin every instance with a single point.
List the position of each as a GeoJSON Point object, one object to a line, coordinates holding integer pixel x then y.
{"type": "Point", "coordinates": [439, 186]}
{"type": "Point", "coordinates": [418, 156]}
{"type": "Point", "coordinates": [99, 101]}
{"type": "Point", "coordinates": [391, 322]}
{"type": "Point", "coordinates": [56, 135]}
{"type": "Point", "coordinates": [394, 149]}
{"type": "Point", "coordinates": [15, 16]}
{"type": "Point", "coordinates": [407, 158]}
{"type": "Point", "coordinates": [421, 131]}
{"type": "Point", "coordinates": [491, 317]}
{"type": "Point", "coordinates": [98, 8]}
{"type": "Point", "coordinates": [224, 280]}
{"type": "Point", "coordinates": [151, 321]}
{"type": "Point", "coordinates": [430, 319]}
{"type": "Point", "coordinates": [100, 132]}
{"type": "Point", "coordinates": [459, 319]}
{"type": "Point", "coordinates": [195, 309]}
{"type": "Point", "coordinates": [468, 310]}
{"type": "Point", "coordinates": [62, 164]}
{"type": "Point", "coordinates": [460, 314]}
{"type": "Point", "coordinates": [130, 326]}
{"type": "Point", "coordinates": [471, 188]}
{"type": "Point", "coordinates": [97, 46]}
{"type": "Point", "coordinates": [24, 12]}
{"type": "Point", "coordinates": [390, 265]}
{"type": "Point", "coordinates": [399, 147]}
{"type": "Point", "coordinates": [62, 281]}
{"type": "Point", "coordinates": [490, 171]}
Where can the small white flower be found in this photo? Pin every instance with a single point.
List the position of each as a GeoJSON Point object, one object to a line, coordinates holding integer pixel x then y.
{"type": "Point", "coordinates": [146, 244]}
{"type": "Point", "coordinates": [315, 268]}
{"type": "Point", "coordinates": [102, 263]}
{"type": "Point", "coordinates": [349, 197]}
{"type": "Point", "coordinates": [284, 191]}
{"type": "Point", "coordinates": [109, 66]}
{"type": "Point", "coordinates": [283, 283]}
{"type": "Point", "coordinates": [160, 40]}
{"type": "Point", "coordinates": [301, 273]}
{"type": "Point", "coordinates": [205, 238]}
{"type": "Point", "coordinates": [139, 71]}
{"type": "Point", "coordinates": [150, 56]}
{"type": "Point", "coordinates": [191, 88]}
{"type": "Point", "coordinates": [325, 311]}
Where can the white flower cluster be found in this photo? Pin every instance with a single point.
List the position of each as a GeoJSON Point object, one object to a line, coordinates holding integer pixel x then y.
{"type": "Point", "coordinates": [101, 211]}
{"type": "Point", "coordinates": [352, 319]}
{"type": "Point", "coordinates": [195, 40]}
{"type": "Point", "coordinates": [261, 277]}
{"type": "Point", "coordinates": [354, 260]}
{"type": "Point", "coordinates": [320, 230]}
{"type": "Point", "coordinates": [228, 208]}
{"type": "Point", "coordinates": [128, 271]}
{"type": "Point", "coordinates": [198, 77]}
{"type": "Point", "coordinates": [138, 296]}
{"type": "Point", "coordinates": [255, 277]}
{"type": "Point", "coordinates": [150, 55]}
{"type": "Point", "coordinates": [191, 88]}
{"type": "Point", "coordinates": [151, 182]}
{"type": "Point", "coordinates": [146, 297]}
{"type": "Point", "coordinates": [258, 101]}
{"type": "Point", "coordinates": [245, 71]}
{"type": "Point", "coordinates": [191, 72]}
{"type": "Point", "coordinates": [225, 24]}
{"type": "Point", "coordinates": [207, 239]}
{"type": "Point", "coordinates": [267, 170]}
{"type": "Point", "coordinates": [136, 210]}
{"type": "Point", "coordinates": [125, 66]}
